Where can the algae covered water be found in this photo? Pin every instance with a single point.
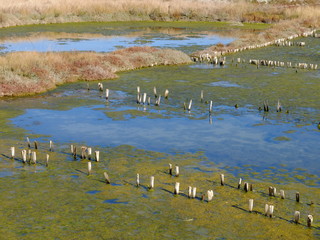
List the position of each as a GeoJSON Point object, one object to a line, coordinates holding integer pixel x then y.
{"type": "Point", "coordinates": [238, 139]}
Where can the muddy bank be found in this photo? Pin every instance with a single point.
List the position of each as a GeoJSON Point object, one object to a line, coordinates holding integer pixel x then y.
{"type": "Point", "coordinates": [25, 73]}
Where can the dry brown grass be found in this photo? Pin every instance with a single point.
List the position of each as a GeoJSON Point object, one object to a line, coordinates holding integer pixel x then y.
{"type": "Point", "coordinates": [24, 73]}
{"type": "Point", "coordinates": [20, 12]}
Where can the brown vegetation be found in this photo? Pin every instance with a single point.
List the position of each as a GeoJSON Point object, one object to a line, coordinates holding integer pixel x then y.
{"type": "Point", "coordinates": [24, 73]}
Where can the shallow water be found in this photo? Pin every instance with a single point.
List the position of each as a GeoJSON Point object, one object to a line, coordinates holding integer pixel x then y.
{"type": "Point", "coordinates": [267, 149]}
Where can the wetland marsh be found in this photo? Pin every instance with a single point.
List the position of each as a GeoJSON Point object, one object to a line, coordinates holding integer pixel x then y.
{"type": "Point", "coordinates": [263, 148]}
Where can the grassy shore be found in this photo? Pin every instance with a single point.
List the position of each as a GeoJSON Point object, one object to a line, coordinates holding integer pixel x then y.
{"type": "Point", "coordinates": [24, 73]}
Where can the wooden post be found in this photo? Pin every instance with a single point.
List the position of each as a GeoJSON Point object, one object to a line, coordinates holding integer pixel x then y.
{"type": "Point", "coordinates": [246, 186]}
{"type": "Point", "coordinates": [282, 195]}
{"type": "Point", "coordinates": [250, 205]}
{"type": "Point", "coordinates": [297, 196]}
{"type": "Point", "coordinates": [296, 216]}
{"type": "Point", "coordinates": [138, 180]}
{"type": "Point", "coordinates": [89, 168]}
{"type": "Point", "coordinates": [35, 145]}
{"type": "Point", "coordinates": [278, 106]}
{"type": "Point", "coordinates": [170, 169]}
{"type": "Point", "coordinates": [210, 195]}
{"type": "Point", "coordinates": [157, 103]}
{"type": "Point", "coordinates": [266, 209]}
{"type": "Point", "coordinates": [144, 98]}
{"type": "Point", "coordinates": [34, 157]}
{"type": "Point", "coordinates": [29, 144]}
{"type": "Point", "coordinates": [194, 192]}
{"type": "Point", "coordinates": [24, 155]}
{"type": "Point", "coordinates": [176, 188]}
{"type": "Point", "coordinates": [222, 179]}
{"type": "Point", "coordinates": [177, 171]}
{"type": "Point", "coordinates": [166, 93]}
{"type": "Point", "coordinates": [309, 220]}
{"type": "Point", "coordinates": [29, 155]}
{"type": "Point", "coordinates": [155, 92]}
{"type": "Point", "coordinates": [12, 152]}
{"type": "Point", "coordinates": [239, 183]}
{"type": "Point", "coordinates": [151, 182]}
{"type": "Point", "coordinates": [251, 187]}
{"type": "Point", "coordinates": [138, 89]}
{"type": "Point", "coordinates": [107, 94]}
{"type": "Point", "coordinates": [51, 146]}
{"type": "Point", "coordinates": [190, 105]}
{"type": "Point", "coordinates": [74, 152]}
{"type": "Point", "coordinates": [270, 211]}
{"type": "Point", "coordinates": [89, 150]}
{"type": "Point", "coordinates": [100, 86]}
{"type": "Point", "coordinates": [189, 192]}
{"type": "Point", "coordinates": [106, 177]}
{"type": "Point", "coordinates": [149, 100]}
{"type": "Point", "coordinates": [210, 107]}
{"type": "Point", "coordinates": [71, 149]}
{"type": "Point", "coordinates": [97, 156]}
{"type": "Point", "coordinates": [83, 152]}
{"type": "Point", "coordinates": [47, 160]}
{"type": "Point", "coordinates": [201, 96]}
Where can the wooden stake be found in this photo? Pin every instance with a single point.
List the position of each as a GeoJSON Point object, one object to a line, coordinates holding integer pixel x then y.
{"type": "Point", "coordinates": [34, 157]}
{"type": "Point", "coordinates": [201, 96]}
{"type": "Point", "coordinates": [89, 168]}
{"type": "Point", "coordinates": [239, 183]}
{"type": "Point", "coordinates": [149, 100]}
{"type": "Point", "coordinates": [166, 93]}
{"type": "Point", "coordinates": [13, 151]}
{"type": "Point", "coordinates": [106, 177]}
{"type": "Point", "coordinates": [29, 144]}
{"type": "Point", "coordinates": [190, 105]}
{"type": "Point", "coordinates": [29, 155]}
{"type": "Point", "coordinates": [83, 152]}
{"type": "Point", "coordinates": [97, 156]}
{"type": "Point", "coordinates": [278, 106]}
{"type": "Point", "coordinates": [222, 179]}
{"type": "Point", "coordinates": [210, 195]}
{"type": "Point", "coordinates": [177, 171]}
{"type": "Point", "coordinates": [176, 188]}
{"type": "Point", "coordinates": [296, 216]}
{"type": "Point", "coordinates": [151, 182]}
{"type": "Point", "coordinates": [138, 180]}
{"type": "Point", "coordinates": [144, 98]}
{"type": "Point", "coordinates": [309, 220]}
{"type": "Point", "coordinates": [107, 94]}
{"type": "Point", "coordinates": [24, 155]}
{"type": "Point", "coordinates": [282, 194]}
{"type": "Point", "coordinates": [100, 86]}
{"type": "Point", "coordinates": [47, 160]}
{"type": "Point", "coordinates": [138, 90]}
{"type": "Point", "coordinates": [266, 209]}
{"type": "Point", "coordinates": [35, 145]}
{"type": "Point", "coordinates": [270, 211]}
{"type": "Point", "coordinates": [194, 192]}
{"type": "Point", "coordinates": [89, 150]}
{"type": "Point", "coordinates": [297, 196]}
{"type": "Point", "coordinates": [157, 103]}
{"type": "Point", "coordinates": [246, 186]}
{"type": "Point", "coordinates": [189, 192]}
{"type": "Point", "coordinates": [250, 205]}
{"type": "Point", "coordinates": [155, 92]}
{"type": "Point", "coordinates": [51, 146]}
{"type": "Point", "coordinates": [210, 107]}
{"type": "Point", "coordinates": [170, 169]}
{"type": "Point", "coordinates": [251, 187]}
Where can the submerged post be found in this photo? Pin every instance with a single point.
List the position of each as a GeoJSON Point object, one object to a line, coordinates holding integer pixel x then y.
{"type": "Point", "coordinates": [107, 94]}
{"type": "Point", "coordinates": [155, 92]}
{"type": "Point", "coordinates": [190, 105]}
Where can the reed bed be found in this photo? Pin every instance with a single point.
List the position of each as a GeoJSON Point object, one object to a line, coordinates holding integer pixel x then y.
{"type": "Point", "coordinates": [21, 12]}
{"type": "Point", "coordinates": [24, 73]}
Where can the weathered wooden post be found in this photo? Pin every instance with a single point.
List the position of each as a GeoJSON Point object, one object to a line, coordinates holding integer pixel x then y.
{"type": "Point", "coordinates": [177, 171]}
{"type": "Point", "coordinates": [97, 156]}
{"type": "Point", "coordinates": [170, 169]}
{"type": "Point", "coordinates": [149, 100]}
{"type": "Point", "coordinates": [13, 152]}
{"type": "Point", "coordinates": [89, 151]}
{"type": "Point", "coordinates": [34, 157]}
{"type": "Point", "coordinates": [190, 105]}
{"type": "Point", "coordinates": [222, 179]}
{"type": "Point", "coordinates": [89, 168]}
{"type": "Point", "coordinates": [239, 183]}
{"type": "Point", "coordinates": [35, 145]}
{"type": "Point", "coordinates": [176, 188]}
{"type": "Point", "coordinates": [166, 94]}
{"type": "Point", "coordinates": [106, 177]}
{"type": "Point", "coordinates": [144, 98]}
{"type": "Point", "coordinates": [157, 103]}
{"type": "Point", "coordinates": [28, 141]}
{"type": "Point", "coordinates": [47, 160]}
{"type": "Point", "coordinates": [309, 220]}
{"type": "Point", "coordinates": [282, 195]}
{"type": "Point", "coordinates": [210, 195]}
{"type": "Point", "coordinates": [210, 107]}
{"type": "Point", "coordinates": [297, 196]}
{"type": "Point", "coordinates": [296, 216]}
{"type": "Point", "coordinates": [138, 180]}
{"type": "Point", "coordinates": [189, 192]}
{"type": "Point", "coordinates": [151, 182]}
{"type": "Point", "coordinates": [278, 106]}
{"type": "Point", "coordinates": [51, 146]}
{"type": "Point", "coordinates": [250, 205]}
{"type": "Point", "coordinates": [24, 155]}
{"type": "Point", "coordinates": [100, 86]}
{"type": "Point", "coordinates": [29, 155]}
{"type": "Point", "coordinates": [194, 192]}
{"type": "Point", "coordinates": [107, 94]}
{"type": "Point", "coordinates": [270, 211]}
{"type": "Point", "coordinates": [201, 96]}
{"type": "Point", "coordinates": [246, 186]}
{"type": "Point", "coordinates": [266, 209]}
{"type": "Point", "coordinates": [83, 152]}
{"type": "Point", "coordinates": [155, 92]}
